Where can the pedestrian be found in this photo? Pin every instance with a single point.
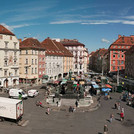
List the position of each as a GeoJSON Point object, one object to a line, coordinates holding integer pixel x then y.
{"type": "Point", "coordinates": [57, 103]}
{"type": "Point", "coordinates": [122, 116]}
{"type": "Point", "coordinates": [119, 106]}
{"type": "Point", "coordinates": [76, 103]}
{"type": "Point", "coordinates": [105, 129]}
{"type": "Point", "coordinates": [122, 109]}
{"type": "Point", "coordinates": [115, 105]}
{"type": "Point", "coordinates": [48, 111]}
{"type": "Point", "coordinates": [111, 118]}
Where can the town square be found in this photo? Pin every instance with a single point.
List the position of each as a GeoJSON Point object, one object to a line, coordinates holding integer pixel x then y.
{"type": "Point", "coordinates": [67, 67]}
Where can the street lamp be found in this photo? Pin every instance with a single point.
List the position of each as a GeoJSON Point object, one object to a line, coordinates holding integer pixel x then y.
{"type": "Point", "coordinates": [118, 77]}
{"type": "Point", "coordinates": [26, 75]}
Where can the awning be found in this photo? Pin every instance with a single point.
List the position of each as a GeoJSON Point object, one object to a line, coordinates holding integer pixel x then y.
{"type": "Point", "coordinates": [96, 86]}
{"type": "Point", "coordinates": [45, 76]}
{"type": "Point", "coordinates": [107, 85]}
{"type": "Point", "coordinates": [106, 89]}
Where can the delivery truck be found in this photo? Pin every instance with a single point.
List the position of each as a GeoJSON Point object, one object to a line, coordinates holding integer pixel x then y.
{"type": "Point", "coordinates": [11, 108]}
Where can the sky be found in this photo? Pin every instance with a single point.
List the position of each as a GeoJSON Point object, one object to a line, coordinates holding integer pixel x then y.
{"type": "Point", "coordinates": [95, 23]}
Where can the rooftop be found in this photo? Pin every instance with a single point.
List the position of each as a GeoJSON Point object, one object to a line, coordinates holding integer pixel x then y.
{"type": "Point", "coordinates": [5, 31]}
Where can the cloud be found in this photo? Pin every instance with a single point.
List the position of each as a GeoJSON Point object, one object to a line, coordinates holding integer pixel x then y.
{"type": "Point", "coordinates": [66, 22]}
{"type": "Point", "coordinates": [11, 28]}
{"type": "Point", "coordinates": [94, 23]}
{"type": "Point", "coordinates": [128, 17]}
{"type": "Point", "coordinates": [128, 22]}
{"type": "Point", "coordinates": [105, 40]}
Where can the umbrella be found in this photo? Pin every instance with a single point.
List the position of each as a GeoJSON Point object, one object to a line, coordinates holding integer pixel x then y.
{"type": "Point", "coordinates": [106, 89]}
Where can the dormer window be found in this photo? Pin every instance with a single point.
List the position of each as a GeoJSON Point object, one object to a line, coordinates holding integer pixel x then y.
{"type": "Point", "coordinates": [10, 37]}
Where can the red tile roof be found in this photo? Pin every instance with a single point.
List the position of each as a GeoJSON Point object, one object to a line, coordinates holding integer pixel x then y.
{"type": "Point", "coordinates": [67, 42]}
{"type": "Point", "coordinates": [5, 31]}
{"type": "Point", "coordinates": [31, 43]}
{"type": "Point", "coordinates": [55, 48]}
{"type": "Point", "coordinates": [123, 41]}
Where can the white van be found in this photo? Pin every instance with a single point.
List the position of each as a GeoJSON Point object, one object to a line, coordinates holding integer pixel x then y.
{"type": "Point", "coordinates": [14, 93]}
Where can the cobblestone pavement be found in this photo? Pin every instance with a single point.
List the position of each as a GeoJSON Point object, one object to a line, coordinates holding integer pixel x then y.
{"type": "Point", "coordinates": [63, 122]}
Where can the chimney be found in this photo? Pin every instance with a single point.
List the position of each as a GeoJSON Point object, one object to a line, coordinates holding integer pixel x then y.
{"type": "Point", "coordinates": [20, 40]}
{"type": "Point", "coordinates": [119, 36]}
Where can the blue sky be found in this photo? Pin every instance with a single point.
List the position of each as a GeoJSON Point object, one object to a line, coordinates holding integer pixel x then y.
{"type": "Point", "coordinates": [95, 23]}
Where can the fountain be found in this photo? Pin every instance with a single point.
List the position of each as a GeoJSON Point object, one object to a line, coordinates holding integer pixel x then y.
{"type": "Point", "coordinates": [67, 90]}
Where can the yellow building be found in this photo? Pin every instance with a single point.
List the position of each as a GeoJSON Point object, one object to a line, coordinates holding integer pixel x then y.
{"type": "Point", "coordinates": [29, 57]}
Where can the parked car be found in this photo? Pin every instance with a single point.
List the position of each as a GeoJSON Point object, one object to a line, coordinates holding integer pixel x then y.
{"type": "Point", "coordinates": [16, 93]}
{"type": "Point", "coordinates": [33, 92]}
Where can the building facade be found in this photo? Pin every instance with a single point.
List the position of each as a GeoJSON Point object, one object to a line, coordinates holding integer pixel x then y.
{"type": "Point", "coordinates": [31, 61]}
{"type": "Point", "coordinates": [9, 61]}
{"type": "Point", "coordinates": [129, 62]}
{"type": "Point", "coordinates": [117, 52]}
{"type": "Point", "coordinates": [77, 49]}
{"type": "Point", "coordinates": [58, 59]}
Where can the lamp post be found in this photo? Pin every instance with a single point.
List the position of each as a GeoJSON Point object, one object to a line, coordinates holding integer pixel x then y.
{"type": "Point", "coordinates": [26, 75]}
{"type": "Point", "coordinates": [118, 77]}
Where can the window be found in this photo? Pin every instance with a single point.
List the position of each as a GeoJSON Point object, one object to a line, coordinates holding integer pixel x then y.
{"type": "Point", "coordinates": [121, 68]}
{"type": "Point", "coordinates": [126, 46]}
{"type": "Point", "coordinates": [15, 43]}
{"type": "Point", "coordinates": [26, 70]}
{"type": "Point", "coordinates": [5, 72]}
{"type": "Point", "coordinates": [118, 55]}
{"type": "Point", "coordinates": [36, 61]}
{"type": "Point", "coordinates": [80, 66]}
{"type": "Point", "coordinates": [5, 62]}
{"type": "Point", "coordinates": [35, 70]}
{"type": "Point", "coordinates": [26, 61]}
{"type": "Point", "coordinates": [118, 62]}
{"type": "Point", "coordinates": [122, 47]}
{"type": "Point", "coordinates": [122, 56]}
{"type": "Point", "coordinates": [122, 62]}
{"type": "Point", "coordinates": [32, 52]}
{"type": "Point", "coordinates": [43, 59]}
{"type": "Point", "coordinates": [32, 70]}
{"type": "Point", "coordinates": [118, 46]}
{"type": "Point", "coordinates": [6, 44]}
{"type": "Point", "coordinates": [113, 56]}
{"type": "Point", "coordinates": [113, 68]}
{"type": "Point", "coordinates": [5, 53]}
{"type": "Point", "coordinates": [32, 61]}
{"type": "Point", "coordinates": [26, 51]}
{"type": "Point", "coordinates": [40, 72]}
{"type": "Point", "coordinates": [113, 46]}
{"type": "Point", "coordinates": [15, 71]}
{"type": "Point", "coordinates": [75, 66]}
{"type": "Point", "coordinates": [113, 61]}
{"type": "Point", "coordinates": [14, 53]}
{"type": "Point", "coordinates": [14, 61]}
{"type": "Point", "coordinates": [10, 37]}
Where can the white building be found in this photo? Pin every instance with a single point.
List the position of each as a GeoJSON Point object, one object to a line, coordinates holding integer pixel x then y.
{"type": "Point", "coordinates": [54, 59]}
{"type": "Point", "coordinates": [77, 49]}
{"type": "Point", "coordinates": [9, 58]}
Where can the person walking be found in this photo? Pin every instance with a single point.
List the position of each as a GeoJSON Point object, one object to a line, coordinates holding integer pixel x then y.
{"type": "Point", "coordinates": [105, 129]}
{"type": "Point", "coordinates": [76, 103]}
{"type": "Point", "coordinates": [48, 110]}
{"type": "Point", "coordinates": [111, 118]}
{"type": "Point", "coordinates": [122, 116]}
